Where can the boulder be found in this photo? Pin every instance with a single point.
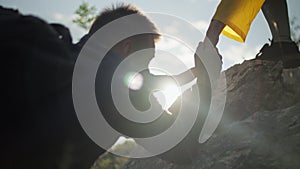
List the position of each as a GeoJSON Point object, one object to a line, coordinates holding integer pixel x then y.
{"type": "Point", "coordinates": [260, 127]}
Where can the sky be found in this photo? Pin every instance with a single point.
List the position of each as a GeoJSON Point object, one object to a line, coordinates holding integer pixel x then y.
{"type": "Point", "coordinates": [197, 12]}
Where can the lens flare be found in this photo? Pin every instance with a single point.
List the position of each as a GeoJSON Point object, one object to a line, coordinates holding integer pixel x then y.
{"type": "Point", "coordinates": [167, 96]}
{"type": "Point", "coordinates": [133, 81]}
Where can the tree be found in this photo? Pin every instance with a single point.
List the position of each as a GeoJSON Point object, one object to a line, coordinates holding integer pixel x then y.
{"type": "Point", "coordinates": [86, 14]}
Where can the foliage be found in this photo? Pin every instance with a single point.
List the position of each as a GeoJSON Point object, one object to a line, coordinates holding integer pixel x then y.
{"type": "Point", "coordinates": [85, 15]}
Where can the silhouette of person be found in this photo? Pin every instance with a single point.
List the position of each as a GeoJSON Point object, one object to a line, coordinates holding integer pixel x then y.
{"type": "Point", "coordinates": [233, 18]}
{"type": "Point", "coordinates": [40, 127]}
{"type": "Point", "coordinates": [139, 97]}
{"type": "Point", "coordinates": [117, 54]}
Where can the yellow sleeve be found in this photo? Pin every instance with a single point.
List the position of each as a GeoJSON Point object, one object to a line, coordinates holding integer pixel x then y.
{"type": "Point", "coordinates": [237, 15]}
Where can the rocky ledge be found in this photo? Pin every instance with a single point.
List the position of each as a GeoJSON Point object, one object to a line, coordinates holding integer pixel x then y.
{"type": "Point", "coordinates": [260, 127]}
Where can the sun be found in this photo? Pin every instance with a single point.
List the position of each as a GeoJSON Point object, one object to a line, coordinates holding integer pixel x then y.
{"type": "Point", "coordinates": [167, 96]}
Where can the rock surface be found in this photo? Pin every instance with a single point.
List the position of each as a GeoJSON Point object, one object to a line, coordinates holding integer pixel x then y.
{"type": "Point", "coordinates": [260, 126]}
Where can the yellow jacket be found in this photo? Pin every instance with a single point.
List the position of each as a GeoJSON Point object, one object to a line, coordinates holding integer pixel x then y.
{"type": "Point", "coordinates": [237, 15]}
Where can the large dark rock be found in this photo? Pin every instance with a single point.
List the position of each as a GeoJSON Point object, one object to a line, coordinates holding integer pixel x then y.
{"type": "Point", "coordinates": [260, 127]}
{"type": "Point", "coordinates": [256, 85]}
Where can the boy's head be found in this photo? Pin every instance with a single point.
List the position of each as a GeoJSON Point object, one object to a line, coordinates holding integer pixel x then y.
{"type": "Point", "coordinates": [133, 43]}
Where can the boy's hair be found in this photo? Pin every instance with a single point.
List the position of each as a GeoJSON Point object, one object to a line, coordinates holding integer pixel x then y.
{"type": "Point", "coordinates": [120, 10]}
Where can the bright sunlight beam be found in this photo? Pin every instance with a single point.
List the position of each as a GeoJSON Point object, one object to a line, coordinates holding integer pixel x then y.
{"type": "Point", "coordinates": [167, 96]}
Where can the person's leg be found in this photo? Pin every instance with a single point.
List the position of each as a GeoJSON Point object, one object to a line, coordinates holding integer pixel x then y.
{"type": "Point", "coordinates": [282, 47]}
{"type": "Point", "coordinates": [276, 14]}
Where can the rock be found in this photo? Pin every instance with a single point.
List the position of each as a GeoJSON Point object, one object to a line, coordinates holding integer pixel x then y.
{"type": "Point", "coordinates": [256, 85]}
{"type": "Point", "coordinates": [260, 126]}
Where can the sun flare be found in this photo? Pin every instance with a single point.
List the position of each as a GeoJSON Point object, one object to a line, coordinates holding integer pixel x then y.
{"type": "Point", "coordinates": [167, 96]}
